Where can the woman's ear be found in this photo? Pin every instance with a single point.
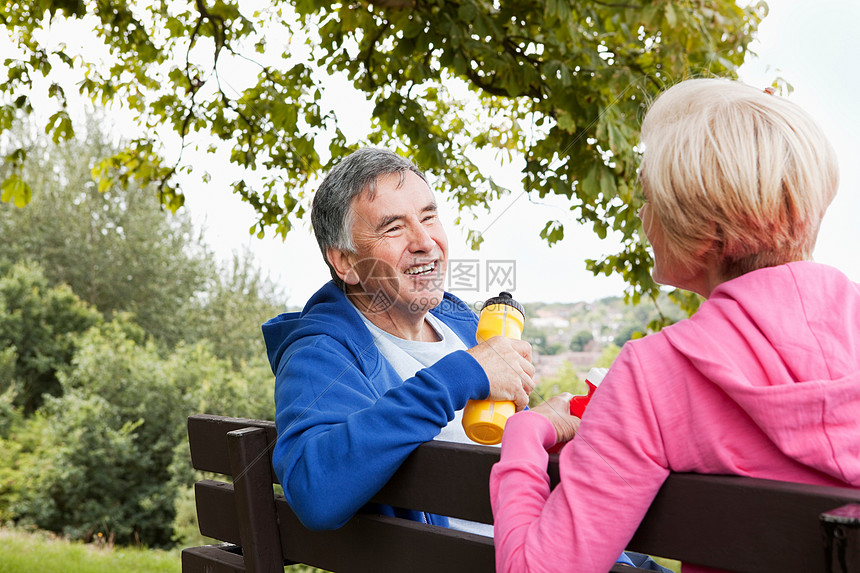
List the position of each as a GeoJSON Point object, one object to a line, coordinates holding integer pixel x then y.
{"type": "Point", "coordinates": [710, 244]}
{"type": "Point", "coordinates": [706, 248]}
{"type": "Point", "coordinates": [343, 264]}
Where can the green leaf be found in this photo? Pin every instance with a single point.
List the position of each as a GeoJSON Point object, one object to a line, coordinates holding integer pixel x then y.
{"type": "Point", "coordinates": [17, 157]}
{"type": "Point", "coordinates": [565, 121]}
{"type": "Point", "coordinates": [607, 185]}
{"type": "Point", "coordinates": [59, 127]}
{"type": "Point", "coordinates": [104, 183]}
{"type": "Point", "coordinates": [552, 232]}
{"type": "Point", "coordinates": [590, 186]}
{"type": "Point", "coordinates": [671, 15]}
{"type": "Point", "coordinates": [467, 12]}
{"type": "Point", "coordinates": [413, 27]}
{"type": "Point", "coordinates": [474, 239]}
{"type": "Point", "coordinates": [16, 190]}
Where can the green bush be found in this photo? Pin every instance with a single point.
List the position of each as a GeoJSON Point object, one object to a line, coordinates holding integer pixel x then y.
{"type": "Point", "coordinates": [40, 323]}
{"type": "Point", "coordinates": [98, 378]}
{"type": "Point", "coordinates": [114, 458]}
{"type": "Point", "coordinates": [17, 439]}
{"type": "Point", "coordinates": [564, 380]}
{"type": "Point", "coordinates": [92, 478]}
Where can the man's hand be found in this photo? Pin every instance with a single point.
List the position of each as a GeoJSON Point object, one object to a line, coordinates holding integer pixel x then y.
{"type": "Point", "coordinates": [557, 411]}
{"type": "Point", "coordinates": [508, 365]}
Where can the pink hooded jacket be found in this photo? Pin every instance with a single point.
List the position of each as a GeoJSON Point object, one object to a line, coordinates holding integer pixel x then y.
{"type": "Point", "coordinates": [763, 381]}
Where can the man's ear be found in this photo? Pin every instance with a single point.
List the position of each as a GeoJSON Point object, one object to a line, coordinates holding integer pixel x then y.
{"type": "Point", "coordinates": [343, 265]}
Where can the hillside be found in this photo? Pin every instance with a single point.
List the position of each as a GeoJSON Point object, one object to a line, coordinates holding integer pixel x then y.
{"type": "Point", "coordinates": [579, 333]}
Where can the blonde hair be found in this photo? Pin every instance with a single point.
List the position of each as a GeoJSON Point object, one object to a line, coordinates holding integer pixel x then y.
{"type": "Point", "coordinates": [745, 172]}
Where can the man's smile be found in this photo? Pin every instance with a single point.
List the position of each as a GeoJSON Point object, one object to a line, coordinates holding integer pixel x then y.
{"type": "Point", "coordinates": [421, 269]}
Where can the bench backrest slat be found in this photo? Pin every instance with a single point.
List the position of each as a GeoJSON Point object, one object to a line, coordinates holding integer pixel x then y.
{"type": "Point", "coordinates": [749, 524]}
{"type": "Point", "coordinates": [381, 544]}
{"type": "Point", "coordinates": [216, 511]}
{"type": "Point", "coordinates": [729, 522]}
{"type": "Point", "coordinates": [446, 479]}
{"type": "Point", "coordinates": [208, 442]}
{"type": "Point", "coordinates": [386, 543]}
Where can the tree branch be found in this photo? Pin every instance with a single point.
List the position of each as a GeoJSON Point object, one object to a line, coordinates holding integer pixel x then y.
{"type": "Point", "coordinates": [366, 57]}
{"type": "Point", "coordinates": [486, 84]}
{"type": "Point", "coordinates": [396, 4]}
{"type": "Point", "coordinates": [218, 35]}
{"type": "Point", "coordinates": [617, 4]}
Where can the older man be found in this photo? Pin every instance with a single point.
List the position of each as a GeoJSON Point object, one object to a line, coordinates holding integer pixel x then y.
{"type": "Point", "coordinates": [381, 359]}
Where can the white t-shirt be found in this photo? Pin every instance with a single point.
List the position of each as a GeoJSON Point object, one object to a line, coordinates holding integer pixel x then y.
{"type": "Point", "coordinates": [408, 357]}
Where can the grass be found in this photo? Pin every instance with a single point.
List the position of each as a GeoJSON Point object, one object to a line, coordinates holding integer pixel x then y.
{"type": "Point", "coordinates": [22, 552]}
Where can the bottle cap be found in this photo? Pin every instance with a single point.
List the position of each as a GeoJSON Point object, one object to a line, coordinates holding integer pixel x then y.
{"type": "Point", "coordinates": [504, 298]}
{"type": "Point", "coordinates": [595, 375]}
{"type": "Point", "coordinates": [484, 420]}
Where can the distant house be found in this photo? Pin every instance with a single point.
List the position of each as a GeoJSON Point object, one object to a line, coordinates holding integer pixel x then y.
{"type": "Point", "coordinates": [549, 322]}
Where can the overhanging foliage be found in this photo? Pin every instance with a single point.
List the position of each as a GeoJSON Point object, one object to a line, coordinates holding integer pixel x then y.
{"type": "Point", "coordinates": [559, 85]}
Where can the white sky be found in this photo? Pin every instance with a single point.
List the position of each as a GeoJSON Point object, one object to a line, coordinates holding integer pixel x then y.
{"type": "Point", "coordinates": [808, 44]}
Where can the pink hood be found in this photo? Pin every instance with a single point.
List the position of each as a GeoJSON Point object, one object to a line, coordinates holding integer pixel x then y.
{"type": "Point", "coordinates": [794, 363]}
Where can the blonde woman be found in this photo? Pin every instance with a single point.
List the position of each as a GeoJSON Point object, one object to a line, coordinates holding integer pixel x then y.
{"type": "Point", "coordinates": [763, 381]}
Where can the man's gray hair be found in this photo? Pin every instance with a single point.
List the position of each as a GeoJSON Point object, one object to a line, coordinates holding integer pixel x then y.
{"type": "Point", "coordinates": [332, 214]}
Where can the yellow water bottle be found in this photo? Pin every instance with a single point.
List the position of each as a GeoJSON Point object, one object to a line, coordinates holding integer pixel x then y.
{"type": "Point", "coordinates": [484, 420]}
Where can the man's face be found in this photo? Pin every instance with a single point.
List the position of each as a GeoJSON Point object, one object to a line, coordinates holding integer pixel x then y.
{"type": "Point", "coordinates": [401, 247]}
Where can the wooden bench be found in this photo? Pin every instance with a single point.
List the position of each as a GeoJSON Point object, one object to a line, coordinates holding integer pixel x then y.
{"type": "Point", "coordinates": [727, 522]}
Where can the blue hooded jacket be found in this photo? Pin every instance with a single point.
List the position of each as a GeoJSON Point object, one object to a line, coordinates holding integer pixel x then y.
{"type": "Point", "coordinates": [345, 419]}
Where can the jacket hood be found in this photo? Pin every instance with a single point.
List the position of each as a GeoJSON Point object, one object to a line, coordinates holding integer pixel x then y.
{"type": "Point", "coordinates": [328, 312]}
{"type": "Point", "coordinates": [792, 361]}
